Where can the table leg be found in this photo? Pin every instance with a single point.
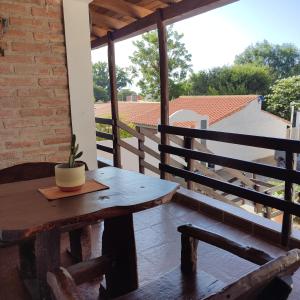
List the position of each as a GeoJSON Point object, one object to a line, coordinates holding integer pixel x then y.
{"type": "Point", "coordinates": [47, 259]}
{"type": "Point", "coordinates": [119, 243]}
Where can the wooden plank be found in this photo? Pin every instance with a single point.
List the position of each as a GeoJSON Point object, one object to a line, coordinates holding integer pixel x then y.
{"type": "Point", "coordinates": [254, 285]}
{"type": "Point", "coordinates": [140, 147]}
{"type": "Point", "coordinates": [131, 149]}
{"type": "Point", "coordinates": [104, 135]}
{"type": "Point", "coordinates": [123, 8]}
{"type": "Point", "coordinates": [114, 100]}
{"type": "Point", "coordinates": [104, 121]}
{"type": "Point", "coordinates": [164, 86]}
{"type": "Point", "coordinates": [288, 196]}
{"type": "Point", "coordinates": [247, 166]}
{"type": "Point", "coordinates": [150, 167]}
{"type": "Point", "coordinates": [99, 31]}
{"type": "Point", "coordinates": [130, 130]}
{"type": "Point", "coordinates": [90, 270]}
{"type": "Point", "coordinates": [235, 138]}
{"type": "Point", "coordinates": [150, 135]}
{"type": "Point", "coordinates": [105, 148]}
{"type": "Point", "coordinates": [103, 20]}
{"type": "Point", "coordinates": [289, 207]}
{"type": "Point", "coordinates": [62, 285]}
{"type": "Point", "coordinates": [251, 254]}
{"type": "Point", "coordinates": [175, 12]}
{"type": "Point", "coordinates": [150, 151]}
{"type": "Point", "coordinates": [177, 140]}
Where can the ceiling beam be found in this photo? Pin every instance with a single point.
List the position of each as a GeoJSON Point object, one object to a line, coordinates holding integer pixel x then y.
{"type": "Point", "coordinates": [171, 14]}
{"type": "Point", "coordinates": [106, 21]}
{"type": "Point", "coordinates": [123, 8]}
{"type": "Point", "coordinates": [99, 31]}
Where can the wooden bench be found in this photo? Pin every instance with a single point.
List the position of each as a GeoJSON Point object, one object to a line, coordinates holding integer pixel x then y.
{"type": "Point", "coordinates": [272, 280]}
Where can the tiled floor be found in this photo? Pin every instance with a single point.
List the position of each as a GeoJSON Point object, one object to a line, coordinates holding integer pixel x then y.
{"type": "Point", "coordinates": [158, 247]}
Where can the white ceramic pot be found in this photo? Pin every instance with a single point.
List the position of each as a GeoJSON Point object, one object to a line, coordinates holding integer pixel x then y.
{"type": "Point", "coordinates": [70, 179]}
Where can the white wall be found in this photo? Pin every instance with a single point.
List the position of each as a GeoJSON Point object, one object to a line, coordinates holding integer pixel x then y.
{"type": "Point", "coordinates": [250, 120]}
{"type": "Point", "coordinates": [77, 32]}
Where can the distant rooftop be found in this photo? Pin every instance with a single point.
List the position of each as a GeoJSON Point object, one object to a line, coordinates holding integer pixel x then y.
{"type": "Point", "coordinates": [148, 113]}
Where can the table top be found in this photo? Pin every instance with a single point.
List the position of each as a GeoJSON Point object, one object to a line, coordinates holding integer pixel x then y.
{"type": "Point", "coordinates": [24, 211]}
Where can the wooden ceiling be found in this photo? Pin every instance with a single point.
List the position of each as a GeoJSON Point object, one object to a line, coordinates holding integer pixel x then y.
{"type": "Point", "coordinates": [126, 18]}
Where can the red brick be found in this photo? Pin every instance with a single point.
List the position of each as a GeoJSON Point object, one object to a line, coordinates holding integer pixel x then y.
{"type": "Point", "coordinates": [7, 155]}
{"type": "Point", "coordinates": [38, 92]}
{"type": "Point", "coordinates": [54, 102]}
{"type": "Point", "coordinates": [45, 37]}
{"type": "Point", "coordinates": [32, 69]}
{"type": "Point", "coordinates": [63, 111]}
{"type": "Point", "coordinates": [36, 131]}
{"type": "Point", "coordinates": [28, 22]}
{"type": "Point", "coordinates": [6, 92]}
{"type": "Point", "coordinates": [13, 34]}
{"type": "Point", "coordinates": [29, 47]}
{"type": "Point", "coordinates": [63, 131]}
{"type": "Point", "coordinates": [46, 12]}
{"type": "Point", "coordinates": [9, 102]}
{"type": "Point", "coordinates": [15, 81]}
{"type": "Point", "coordinates": [59, 70]}
{"type": "Point", "coordinates": [58, 49]}
{"type": "Point", "coordinates": [21, 144]}
{"type": "Point", "coordinates": [6, 113]}
{"type": "Point", "coordinates": [5, 69]}
{"type": "Point", "coordinates": [46, 82]}
{"type": "Point", "coordinates": [19, 123]}
{"type": "Point", "coordinates": [61, 92]}
{"type": "Point", "coordinates": [16, 59]}
{"type": "Point", "coordinates": [41, 112]}
{"type": "Point", "coordinates": [56, 26]}
{"type": "Point", "coordinates": [12, 8]}
{"type": "Point", "coordinates": [64, 148]}
{"type": "Point", "coordinates": [50, 60]}
{"type": "Point", "coordinates": [57, 140]}
{"type": "Point", "coordinates": [54, 2]}
{"type": "Point", "coordinates": [56, 121]}
{"type": "Point", "coordinates": [40, 151]}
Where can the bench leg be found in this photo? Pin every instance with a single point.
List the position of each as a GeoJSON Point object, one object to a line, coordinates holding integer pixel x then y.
{"type": "Point", "coordinates": [27, 259]}
{"type": "Point", "coordinates": [81, 244]}
{"type": "Point", "coordinates": [47, 251]}
{"type": "Point", "coordinates": [118, 242]}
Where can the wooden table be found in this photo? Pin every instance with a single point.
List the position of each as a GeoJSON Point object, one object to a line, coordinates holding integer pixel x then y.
{"type": "Point", "coordinates": [25, 213]}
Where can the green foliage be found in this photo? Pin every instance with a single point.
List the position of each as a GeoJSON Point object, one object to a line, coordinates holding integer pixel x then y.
{"type": "Point", "coordinates": [283, 92]}
{"type": "Point", "coordinates": [108, 128]}
{"type": "Point", "coordinates": [101, 80]}
{"type": "Point", "coordinates": [231, 80]}
{"type": "Point", "coordinates": [283, 60]}
{"type": "Point", "coordinates": [74, 154]}
{"type": "Point", "coordinates": [145, 60]}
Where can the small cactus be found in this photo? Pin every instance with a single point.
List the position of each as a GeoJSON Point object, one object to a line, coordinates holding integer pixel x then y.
{"type": "Point", "coordinates": [74, 154]}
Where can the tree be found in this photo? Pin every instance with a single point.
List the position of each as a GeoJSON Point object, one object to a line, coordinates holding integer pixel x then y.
{"type": "Point", "coordinates": [101, 80]}
{"type": "Point", "coordinates": [283, 60]}
{"type": "Point", "coordinates": [123, 93]}
{"type": "Point", "coordinates": [283, 92]}
{"type": "Point", "coordinates": [231, 80]}
{"type": "Point", "coordinates": [145, 60]}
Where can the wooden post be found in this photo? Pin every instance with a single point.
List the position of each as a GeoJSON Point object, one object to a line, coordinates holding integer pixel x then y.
{"type": "Point", "coordinates": [164, 86]}
{"type": "Point", "coordinates": [288, 196]}
{"type": "Point", "coordinates": [114, 100]}
{"type": "Point", "coordinates": [140, 147]}
{"type": "Point", "coordinates": [188, 144]}
{"type": "Point", "coordinates": [188, 254]}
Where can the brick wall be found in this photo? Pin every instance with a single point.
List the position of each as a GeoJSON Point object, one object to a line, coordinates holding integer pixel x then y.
{"type": "Point", "coordinates": [34, 99]}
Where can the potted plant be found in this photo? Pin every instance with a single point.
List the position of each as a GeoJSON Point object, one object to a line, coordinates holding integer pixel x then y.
{"type": "Point", "coordinates": [71, 176]}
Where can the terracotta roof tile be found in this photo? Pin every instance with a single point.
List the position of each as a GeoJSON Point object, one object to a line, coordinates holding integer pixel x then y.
{"type": "Point", "coordinates": [148, 113]}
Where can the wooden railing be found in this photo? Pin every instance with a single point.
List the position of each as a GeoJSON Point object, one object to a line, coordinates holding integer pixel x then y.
{"type": "Point", "coordinates": [187, 164]}
{"type": "Point", "coordinates": [288, 175]}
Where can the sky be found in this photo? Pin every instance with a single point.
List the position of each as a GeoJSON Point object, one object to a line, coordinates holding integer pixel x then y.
{"type": "Point", "coordinates": [214, 38]}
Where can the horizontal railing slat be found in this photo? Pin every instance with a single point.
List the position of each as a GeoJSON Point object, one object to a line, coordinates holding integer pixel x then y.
{"type": "Point", "coordinates": [105, 148]}
{"type": "Point", "coordinates": [257, 197]}
{"type": "Point", "coordinates": [131, 149]}
{"type": "Point", "coordinates": [234, 138]}
{"type": "Point", "coordinates": [104, 121]}
{"type": "Point", "coordinates": [104, 135]}
{"type": "Point", "coordinates": [252, 167]}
